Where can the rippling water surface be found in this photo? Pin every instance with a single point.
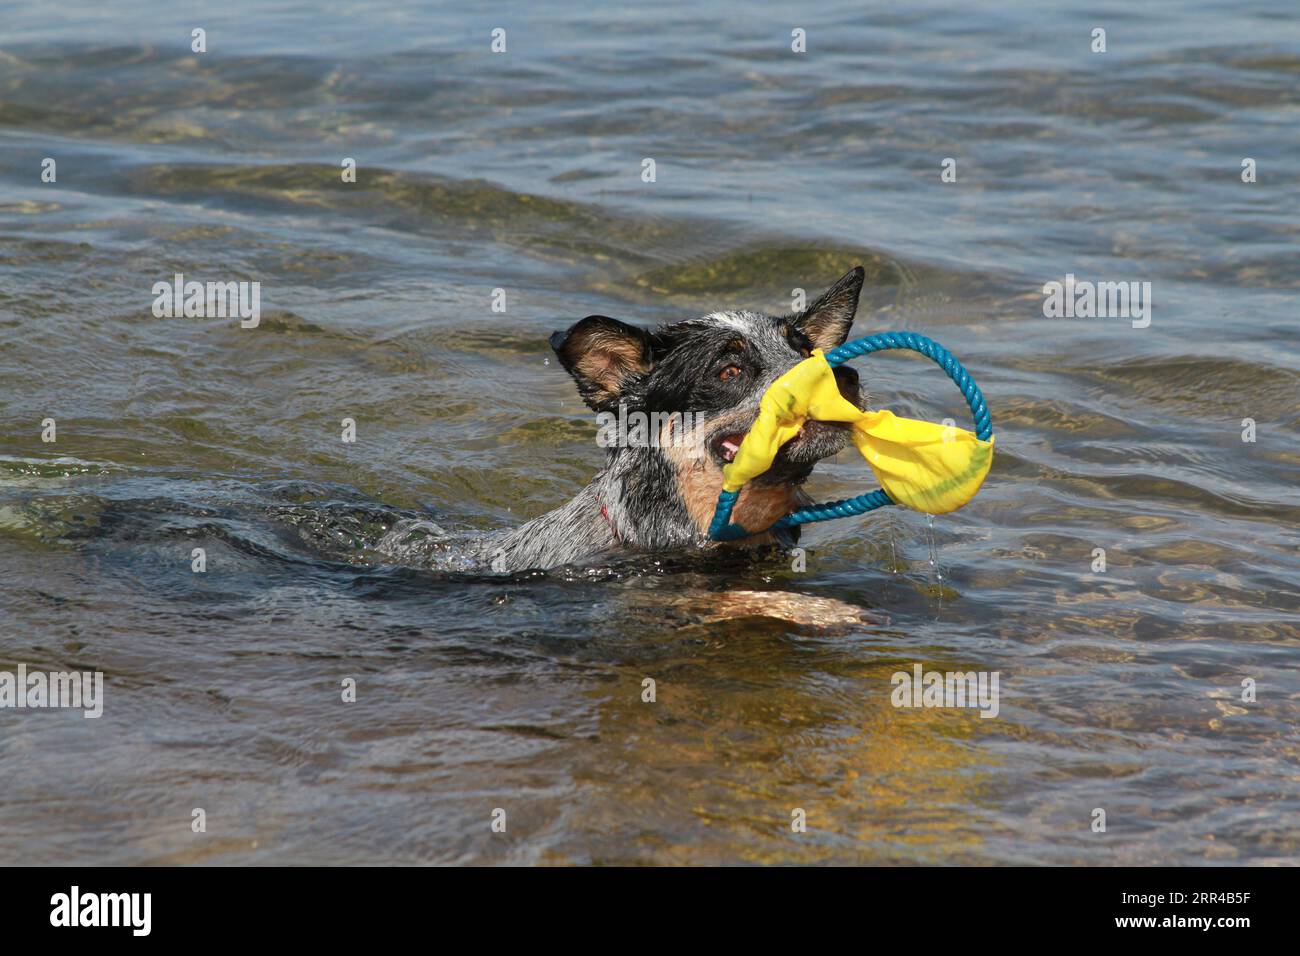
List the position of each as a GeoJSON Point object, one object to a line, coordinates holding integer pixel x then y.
{"type": "Point", "coordinates": [1120, 690]}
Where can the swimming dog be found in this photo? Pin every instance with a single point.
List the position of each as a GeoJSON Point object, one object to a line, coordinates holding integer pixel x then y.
{"type": "Point", "coordinates": [698, 384]}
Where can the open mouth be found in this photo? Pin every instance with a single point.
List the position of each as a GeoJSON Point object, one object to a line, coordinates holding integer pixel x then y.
{"type": "Point", "coordinates": [814, 441]}
{"type": "Point", "coordinates": [726, 446]}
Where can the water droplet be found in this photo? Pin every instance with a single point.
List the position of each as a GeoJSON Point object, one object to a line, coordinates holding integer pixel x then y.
{"type": "Point", "coordinates": [933, 545]}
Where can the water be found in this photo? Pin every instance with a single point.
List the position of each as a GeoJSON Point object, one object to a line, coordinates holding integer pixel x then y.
{"type": "Point", "coordinates": [1120, 689]}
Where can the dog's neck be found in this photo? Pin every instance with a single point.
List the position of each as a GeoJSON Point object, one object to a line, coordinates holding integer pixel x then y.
{"type": "Point", "coordinates": [643, 500]}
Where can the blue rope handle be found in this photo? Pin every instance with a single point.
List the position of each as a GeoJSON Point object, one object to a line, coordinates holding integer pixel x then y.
{"type": "Point", "coordinates": [721, 528]}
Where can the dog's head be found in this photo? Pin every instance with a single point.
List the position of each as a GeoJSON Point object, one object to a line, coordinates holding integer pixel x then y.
{"type": "Point", "coordinates": [699, 383]}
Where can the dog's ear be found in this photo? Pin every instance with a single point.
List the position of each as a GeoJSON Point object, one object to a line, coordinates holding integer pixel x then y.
{"type": "Point", "coordinates": [604, 356]}
{"type": "Point", "coordinates": [827, 321]}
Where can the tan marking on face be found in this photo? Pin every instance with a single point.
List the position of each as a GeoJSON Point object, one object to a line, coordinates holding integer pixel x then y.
{"type": "Point", "coordinates": [699, 482]}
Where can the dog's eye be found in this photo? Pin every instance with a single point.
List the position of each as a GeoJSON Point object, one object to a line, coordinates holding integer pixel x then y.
{"type": "Point", "coordinates": [731, 371]}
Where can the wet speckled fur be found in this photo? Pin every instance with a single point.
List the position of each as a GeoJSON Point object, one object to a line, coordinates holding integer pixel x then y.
{"type": "Point", "coordinates": [661, 498]}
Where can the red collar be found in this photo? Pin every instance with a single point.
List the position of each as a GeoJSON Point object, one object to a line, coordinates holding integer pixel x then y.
{"type": "Point", "coordinates": [604, 513]}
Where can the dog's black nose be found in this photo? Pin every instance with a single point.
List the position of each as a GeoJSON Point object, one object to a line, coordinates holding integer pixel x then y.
{"type": "Point", "coordinates": [846, 377]}
{"type": "Point", "coordinates": [557, 340]}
